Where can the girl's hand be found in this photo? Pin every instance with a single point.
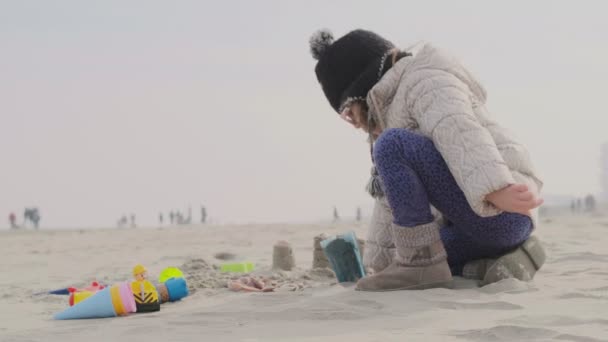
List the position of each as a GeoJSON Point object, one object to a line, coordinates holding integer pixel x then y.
{"type": "Point", "coordinates": [515, 198]}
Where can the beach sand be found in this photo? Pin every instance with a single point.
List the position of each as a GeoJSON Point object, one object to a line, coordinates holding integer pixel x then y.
{"type": "Point", "coordinates": [567, 301]}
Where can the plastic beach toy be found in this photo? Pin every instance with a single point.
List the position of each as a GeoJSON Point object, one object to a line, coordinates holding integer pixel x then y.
{"type": "Point", "coordinates": [63, 291]}
{"type": "Point", "coordinates": [172, 290]}
{"type": "Point", "coordinates": [94, 287]}
{"type": "Point", "coordinates": [344, 257]}
{"type": "Point", "coordinates": [116, 300]}
{"type": "Point", "coordinates": [77, 297]}
{"type": "Point", "coordinates": [168, 273]}
{"type": "Point", "coordinates": [144, 292]}
{"type": "Point", "coordinates": [237, 267]}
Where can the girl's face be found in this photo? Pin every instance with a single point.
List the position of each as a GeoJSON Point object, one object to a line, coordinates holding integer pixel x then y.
{"type": "Point", "coordinates": [356, 116]}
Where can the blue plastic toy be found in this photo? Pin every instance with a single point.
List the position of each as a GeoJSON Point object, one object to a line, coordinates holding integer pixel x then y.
{"type": "Point", "coordinates": [344, 256]}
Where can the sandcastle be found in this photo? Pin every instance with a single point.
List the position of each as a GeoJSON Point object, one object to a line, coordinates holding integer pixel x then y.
{"type": "Point", "coordinates": [282, 256]}
{"type": "Point", "coordinates": [319, 259]}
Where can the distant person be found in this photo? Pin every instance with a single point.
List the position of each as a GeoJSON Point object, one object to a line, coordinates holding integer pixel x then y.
{"type": "Point", "coordinates": [188, 219]}
{"type": "Point", "coordinates": [35, 217]}
{"type": "Point", "coordinates": [160, 218]}
{"type": "Point", "coordinates": [203, 214]}
{"type": "Point", "coordinates": [433, 144]}
{"type": "Point", "coordinates": [359, 215]}
{"type": "Point", "coordinates": [26, 216]}
{"type": "Point", "coordinates": [12, 219]}
{"type": "Point", "coordinates": [32, 215]}
{"type": "Point", "coordinates": [133, 225]}
{"type": "Point", "coordinates": [336, 215]}
{"type": "Point", "coordinates": [122, 221]}
{"type": "Point", "coordinates": [579, 205]}
{"type": "Point", "coordinates": [573, 206]}
{"type": "Point", "coordinates": [590, 203]}
{"type": "Point", "coordinates": [172, 217]}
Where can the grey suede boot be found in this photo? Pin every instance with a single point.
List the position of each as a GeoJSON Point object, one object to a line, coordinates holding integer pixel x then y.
{"type": "Point", "coordinates": [476, 269]}
{"type": "Point", "coordinates": [522, 263]}
{"type": "Point", "coordinates": [420, 262]}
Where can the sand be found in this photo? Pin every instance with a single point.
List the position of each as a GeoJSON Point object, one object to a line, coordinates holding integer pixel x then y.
{"type": "Point", "coordinates": [567, 301]}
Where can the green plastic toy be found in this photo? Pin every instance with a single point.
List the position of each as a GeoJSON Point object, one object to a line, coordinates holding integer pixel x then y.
{"type": "Point", "coordinates": [168, 273]}
{"type": "Point", "coordinates": [237, 267]}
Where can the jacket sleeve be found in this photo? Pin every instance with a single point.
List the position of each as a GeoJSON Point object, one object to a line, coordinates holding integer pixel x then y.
{"type": "Point", "coordinates": [442, 106]}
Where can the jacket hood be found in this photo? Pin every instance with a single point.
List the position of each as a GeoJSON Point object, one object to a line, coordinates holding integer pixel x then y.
{"type": "Point", "coordinates": [424, 56]}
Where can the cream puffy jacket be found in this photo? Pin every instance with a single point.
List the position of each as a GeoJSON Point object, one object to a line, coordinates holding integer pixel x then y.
{"type": "Point", "coordinates": [433, 94]}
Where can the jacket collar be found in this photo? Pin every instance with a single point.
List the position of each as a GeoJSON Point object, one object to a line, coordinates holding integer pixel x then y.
{"type": "Point", "coordinates": [382, 94]}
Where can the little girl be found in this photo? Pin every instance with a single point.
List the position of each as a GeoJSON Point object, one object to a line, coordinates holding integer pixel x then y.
{"type": "Point", "coordinates": [455, 193]}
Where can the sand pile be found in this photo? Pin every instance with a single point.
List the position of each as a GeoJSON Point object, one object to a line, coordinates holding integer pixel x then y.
{"type": "Point", "coordinates": [202, 275]}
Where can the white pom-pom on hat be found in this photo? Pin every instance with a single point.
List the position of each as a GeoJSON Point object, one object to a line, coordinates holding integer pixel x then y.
{"type": "Point", "coordinates": [319, 42]}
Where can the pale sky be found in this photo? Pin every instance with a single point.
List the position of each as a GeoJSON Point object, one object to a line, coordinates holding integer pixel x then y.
{"type": "Point", "coordinates": [114, 107]}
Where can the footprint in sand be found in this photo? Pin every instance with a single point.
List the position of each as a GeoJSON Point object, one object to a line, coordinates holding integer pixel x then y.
{"type": "Point", "coordinates": [479, 306]}
{"type": "Point", "coordinates": [505, 333]}
{"type": "Point", "coordinates": [579, 295]}
{"type": "Point", "coordinates": [368, 304]}
{"type": "Point", "coordinates": [553, 321]}
{"type": "Point", "coordinates": [583, 256]}
{"type": "Point", "coordinates": [576, 338]}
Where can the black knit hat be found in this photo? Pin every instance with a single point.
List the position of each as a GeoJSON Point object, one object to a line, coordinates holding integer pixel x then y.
{"type": "Point", "coordinates": [350, 66]}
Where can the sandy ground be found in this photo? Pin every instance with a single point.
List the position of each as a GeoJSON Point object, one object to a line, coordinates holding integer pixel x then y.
{"type": "Point", "coordinates": [568, 300]}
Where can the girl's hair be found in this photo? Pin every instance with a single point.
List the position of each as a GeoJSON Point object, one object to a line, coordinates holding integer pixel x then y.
{"type": "Point", "coordinates": [395, 56]}
{"type": "Point", "coordinates": [374, 186]}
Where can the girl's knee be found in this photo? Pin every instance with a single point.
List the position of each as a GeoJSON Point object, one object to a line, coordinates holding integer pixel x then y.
{"type": "Point", "coordinates": [397, 141]}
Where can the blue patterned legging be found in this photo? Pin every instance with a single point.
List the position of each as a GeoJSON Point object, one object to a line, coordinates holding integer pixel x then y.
{"type": "Point", "coordinates": [415, 175]}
